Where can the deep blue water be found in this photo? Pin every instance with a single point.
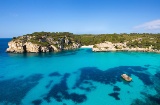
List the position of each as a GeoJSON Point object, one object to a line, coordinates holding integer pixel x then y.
{"type": "Point", "coordinates": [80, 77]}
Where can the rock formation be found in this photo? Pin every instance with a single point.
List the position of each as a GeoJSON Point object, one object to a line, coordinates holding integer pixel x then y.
{"type": "Point", "coordinates": [24, 44]}
{"type": "Point", "coordinates": [59, 41]}
{"type": "Point", "coordinates": [109, 46]}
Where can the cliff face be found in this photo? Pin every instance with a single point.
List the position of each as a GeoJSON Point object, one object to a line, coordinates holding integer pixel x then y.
{"type": "Point", "coordinates": [109, 46]}
{"type": "Point", "coordinates": [14, 46]}
{"type": "Point", "coordinates": [58, 41]}
{"type": "Point", "coordinates": [18, 47]}
{"type": "Point", "coordinates": [36, 44]}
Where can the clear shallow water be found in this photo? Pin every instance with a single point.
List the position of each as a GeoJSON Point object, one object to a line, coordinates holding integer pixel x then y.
{"type": "Point", "coordinates": [79, 77]}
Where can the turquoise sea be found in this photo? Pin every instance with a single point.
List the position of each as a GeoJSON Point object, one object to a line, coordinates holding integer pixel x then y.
{"type": "Point", "coordinates": [79, 77]}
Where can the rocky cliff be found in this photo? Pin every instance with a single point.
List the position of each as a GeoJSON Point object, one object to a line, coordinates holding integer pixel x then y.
{"type": "Point", "coordinates": [59, 41]}
{"type": "Point", "coordinates": [41, 43]}
{"type": "Point", "coordinates": [109, 46]}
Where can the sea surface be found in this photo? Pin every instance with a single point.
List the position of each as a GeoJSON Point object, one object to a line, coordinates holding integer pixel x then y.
{"type": "Point", "coordinates": [78, 77]}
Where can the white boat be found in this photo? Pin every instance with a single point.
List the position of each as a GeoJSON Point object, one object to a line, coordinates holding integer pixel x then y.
{"type": "Point", "coordinates": [126, 77]}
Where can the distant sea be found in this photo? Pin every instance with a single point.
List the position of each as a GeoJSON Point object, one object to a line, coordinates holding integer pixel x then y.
{"type": "Point", "coordinates": [78, 77]}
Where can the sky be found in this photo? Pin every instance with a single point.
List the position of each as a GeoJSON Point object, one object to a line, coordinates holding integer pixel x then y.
{"type": "Point", "coordinates": [20, 17]}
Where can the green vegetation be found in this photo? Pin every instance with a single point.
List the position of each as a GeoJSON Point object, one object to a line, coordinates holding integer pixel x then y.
{"type": "Point", "coordinates": [133, 40]}
{"type": "Point", "coordinates": [47, 38]}
{"type": "Point", "coordinates": [144, 40]}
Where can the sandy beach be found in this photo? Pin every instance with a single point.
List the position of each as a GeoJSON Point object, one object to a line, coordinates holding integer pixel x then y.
{"type": "Point", "coordinates": [89, 46]}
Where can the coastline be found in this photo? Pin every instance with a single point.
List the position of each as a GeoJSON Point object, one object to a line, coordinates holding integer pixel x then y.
{"type": "Point", "coordinates": [89, 46]}
{"type": "Point", "coordinates": [47, 42]}
{"type": "Point", "coordinates": [158, 52]}
{"type": "Point", "coordinates": [113, 47]}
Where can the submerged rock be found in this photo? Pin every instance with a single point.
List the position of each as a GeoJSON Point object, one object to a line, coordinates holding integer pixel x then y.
{"type": "Point", "coordinates": [13, 91]}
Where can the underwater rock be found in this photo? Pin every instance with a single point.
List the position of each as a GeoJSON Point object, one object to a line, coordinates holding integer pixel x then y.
{"type": "Point", "coordinates": [155, 99]}
{"type": "Point", "coordinates": [60, 92]}
{"type": "Point", "coordinates": [49, 84]}
{"type": "Point", "coordinates": [37, 102]}
{"type": "Point", "coordinates": [14, 90]}
{"type": "Point", "coordinates": [112, 75]}
{"type": "Point", "coordinates": [115, 95]}
{"type": "Point", "coordinates": [116, 88]}
{"type": "Point", "coordinates": [157, 75]}
{"type": "Point", "coordinates": [54, 74]}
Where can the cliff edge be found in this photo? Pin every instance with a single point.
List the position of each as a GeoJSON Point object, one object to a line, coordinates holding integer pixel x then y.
{"type": "Point", "coordinates": [42, 42]}
{"type": "Point", "coordinates": [109, 46]}
{"type": "Point", "coordinates": [59, 41]}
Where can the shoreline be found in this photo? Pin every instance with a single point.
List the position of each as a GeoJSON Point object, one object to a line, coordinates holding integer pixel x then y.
{"type": "Point", "coordinates": [89, 46]}
{"type": "Point", "coordinates": [113, 47]}
{"type": "Point", "coordinates": [129, 51]}
{"type": "Point", "coordinates": [125, 50]}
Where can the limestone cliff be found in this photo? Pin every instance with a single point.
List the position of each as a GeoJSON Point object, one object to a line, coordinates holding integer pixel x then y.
{"type": "Point", "coordinates": [43, 43]}
{"type": "Point", "coordinates": [109, 46]}
{"type": "Point", "coordinates": [59, 41]}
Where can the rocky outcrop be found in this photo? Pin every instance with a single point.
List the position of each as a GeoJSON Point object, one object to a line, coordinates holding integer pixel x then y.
{"type": "Point", "coordinates": [18, 47]}
{"type": "Point", "coordinates": [109, 46]}
{"type": "Point", "coordinates": [30, 47]}
{"type": "Point", "coordinates": [22, 45]}
{"type": "Point", "coordinates": [15, 47]}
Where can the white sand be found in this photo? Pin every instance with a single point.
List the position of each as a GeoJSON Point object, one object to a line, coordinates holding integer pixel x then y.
{"type": "Point", "coordinates": [89, 46]}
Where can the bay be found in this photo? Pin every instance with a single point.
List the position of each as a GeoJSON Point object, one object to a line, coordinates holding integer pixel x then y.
{"type": "Point", "coordinates": [79, 77]}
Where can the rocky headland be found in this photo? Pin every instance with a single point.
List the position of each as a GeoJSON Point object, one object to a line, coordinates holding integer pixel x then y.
{"type": "Point", "coordinates": [59, 41]}
{"type": "Point", "coordinates": [39, 42]}
{"type": "Point", "coordinates": [109, 46]}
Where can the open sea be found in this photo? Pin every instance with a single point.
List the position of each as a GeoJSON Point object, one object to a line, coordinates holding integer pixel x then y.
{"type": "Point", "coordinates": [78, 77]}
